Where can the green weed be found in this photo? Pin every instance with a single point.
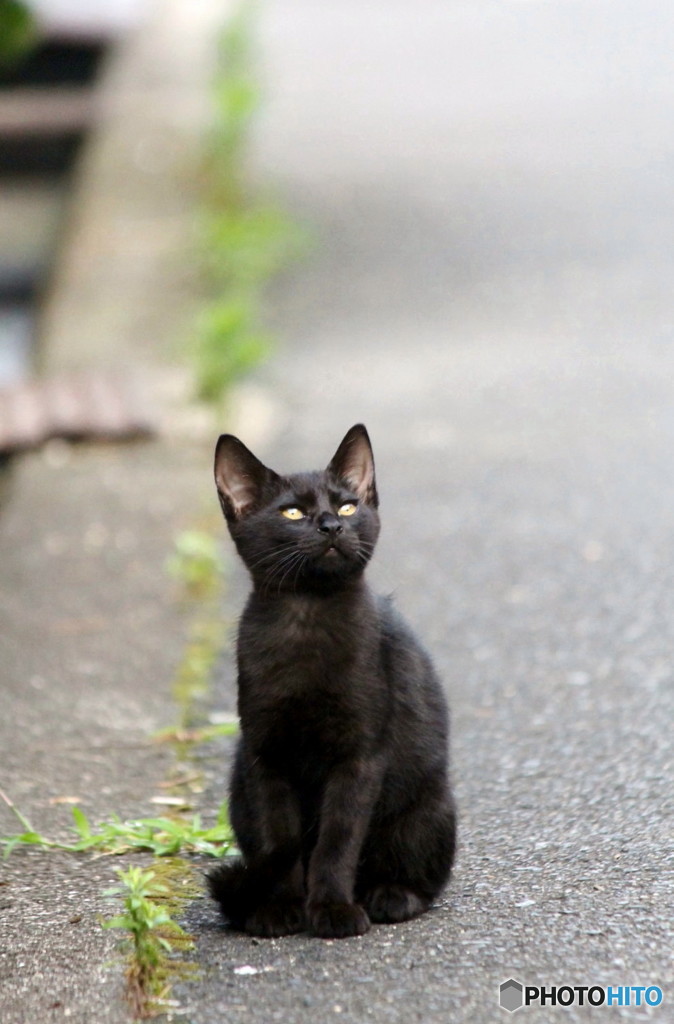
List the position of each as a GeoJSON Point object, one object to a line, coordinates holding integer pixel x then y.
{"type": "Point", "coordinates": [243, 247]}
{"type": "Point", "coordinates": [237, 96]}
{"type": "Point", "coordinates": [196, 563]}
{"type": "Point", "coordinates": [243, 239]}
{"type": "Point", "coordinates": [230, 342]}
{"type": "Point", "coordinates": [162, 836]}
{"type": "Point", "coordinates": [153, 939]}
{"type": "Point", "coordinates": [193, 674]}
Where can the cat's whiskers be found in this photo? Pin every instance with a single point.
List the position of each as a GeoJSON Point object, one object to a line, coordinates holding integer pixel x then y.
{"type": "Point", "coordinates": [364, 551]}
{"type": "Point", "coordinates": [297, 566]}
{"type": "Point", "coordinates": [280, 569]}
{"type": "Point", "coordinates": [283, 548]}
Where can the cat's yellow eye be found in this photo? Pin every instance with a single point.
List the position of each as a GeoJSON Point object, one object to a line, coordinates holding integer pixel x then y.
{"type": "Point", "coordinates": [292, 513]}
{"type": "Point", "coordinates": [347, 510]}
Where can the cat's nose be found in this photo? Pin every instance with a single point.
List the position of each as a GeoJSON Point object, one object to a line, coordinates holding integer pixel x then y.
{"type": "Point", "coordinates": [329, 524]}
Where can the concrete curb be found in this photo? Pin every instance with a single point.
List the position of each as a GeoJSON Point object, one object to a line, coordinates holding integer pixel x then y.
{"type": "Point", "coordinates": [92, 629]}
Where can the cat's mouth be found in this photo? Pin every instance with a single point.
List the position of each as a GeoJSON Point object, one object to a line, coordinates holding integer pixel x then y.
{"type": "Point", "coordinates": [333, 555]}
{"type": "Point", "coordinates": [331, 552]}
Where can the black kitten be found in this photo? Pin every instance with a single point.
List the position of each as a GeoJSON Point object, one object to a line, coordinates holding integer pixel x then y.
{"type": "Point", "coordinates": [339, 794]}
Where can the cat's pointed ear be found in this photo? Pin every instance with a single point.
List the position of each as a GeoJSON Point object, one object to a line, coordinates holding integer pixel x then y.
{"type": "Point", "coordinates": [240, 477]}
{"type": "Point", "coordinates": [353, 462]}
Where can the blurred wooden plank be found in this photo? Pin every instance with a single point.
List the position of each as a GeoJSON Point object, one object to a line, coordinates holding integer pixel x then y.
{"type": "Point", "coordinates": [84, 406]}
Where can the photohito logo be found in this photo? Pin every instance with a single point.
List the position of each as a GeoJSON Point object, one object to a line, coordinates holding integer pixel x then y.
{"type": "Point", "coordinates": [513, 995]}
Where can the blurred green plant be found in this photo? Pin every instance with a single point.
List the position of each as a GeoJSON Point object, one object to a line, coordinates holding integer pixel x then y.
{"type": "Point", "coordinates": [196, 562]}
{"type": "Point", "coordinates": [247, 245]}
{"type": "Point", "coordinates": [17, 31]}
{"type": "Point", "coordinates": [193, 676]}
{"type": "Point", "coordinates": [243, 239]}
{"type": "Point", "coordinates": [237, 96]}
{"type": "Point", "coordinates": [231, 343]}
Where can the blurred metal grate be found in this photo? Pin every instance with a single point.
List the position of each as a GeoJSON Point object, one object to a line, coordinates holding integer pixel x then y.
{"type": "Point", "coordinates": [84, 406]}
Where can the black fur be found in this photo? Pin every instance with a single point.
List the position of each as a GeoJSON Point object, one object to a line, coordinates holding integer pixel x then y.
{"type": "Point", "coordinates": [339, 793]}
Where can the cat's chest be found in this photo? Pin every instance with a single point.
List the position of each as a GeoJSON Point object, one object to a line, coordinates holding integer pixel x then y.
{"type": "Point", "coordinates": [305, 736]}
{"type": "Point", "coordinates": [308, 682]}
{"type": "Point", "coordinates": [302, 642]}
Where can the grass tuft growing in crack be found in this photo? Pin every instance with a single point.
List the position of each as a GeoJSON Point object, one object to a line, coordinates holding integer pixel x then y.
{"type": "Point", "coordinates": [197, 566]}
{"type": "Point", "coordinates": [155, 943]}
{"type": "Point", "coordinates": [161, 836]}
{"type": "Point", "coordinates": [153, 940]}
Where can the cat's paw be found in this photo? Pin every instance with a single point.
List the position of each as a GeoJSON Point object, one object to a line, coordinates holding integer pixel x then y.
{"type": "Point", "coordinates": [337, 920]}
{"type": "Point", "coordinates": [387, 904]}
{"type": "Point", "coordinates": [280, 917]}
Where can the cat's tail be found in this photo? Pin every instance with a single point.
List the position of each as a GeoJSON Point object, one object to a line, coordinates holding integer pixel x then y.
{"type": "Point", "coordinates": [231, 885]}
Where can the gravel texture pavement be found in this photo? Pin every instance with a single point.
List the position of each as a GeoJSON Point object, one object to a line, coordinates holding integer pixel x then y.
{"type": "Point", "coordinates": [491, 294]}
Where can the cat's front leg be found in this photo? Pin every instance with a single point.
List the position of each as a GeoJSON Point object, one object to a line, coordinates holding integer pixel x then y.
{"type": "Point", "coordinates": [274, 861]}
{"type": "Point", "coordinates": [346, 807]}
{"type": "Point", "coordinates": [264, 893]}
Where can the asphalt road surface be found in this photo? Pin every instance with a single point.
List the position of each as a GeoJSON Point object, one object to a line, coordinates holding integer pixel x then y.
{"type": "Point", "coordinates": [490, 188]}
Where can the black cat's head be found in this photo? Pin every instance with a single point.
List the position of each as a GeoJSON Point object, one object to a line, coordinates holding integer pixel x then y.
{"type": "Point", "coordinates": [302, 532]}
